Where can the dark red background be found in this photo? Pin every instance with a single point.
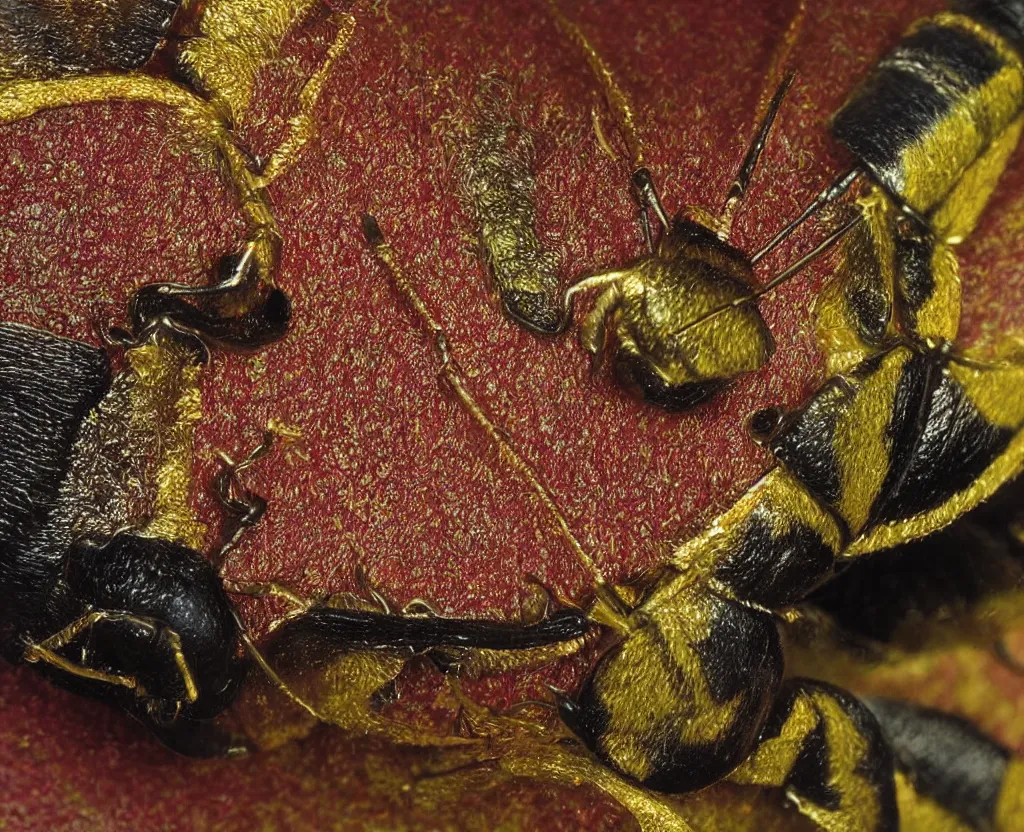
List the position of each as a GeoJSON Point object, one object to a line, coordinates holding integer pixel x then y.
{"type": "Point", "coordinates": [389, 474]}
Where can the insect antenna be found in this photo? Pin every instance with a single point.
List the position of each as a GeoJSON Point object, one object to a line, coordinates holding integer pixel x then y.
{"type": "Point", "coordinates": [625, 121]}
{"type": "Point", "coordinates": [264, 665]}
{"type": "Point", "coordinates": [829, 195]}
{"type": "Point", "coordinates": [738, 190]}
{"type": "Point", "coordinates": [453, 376]}
{"type": "Point", "coordinates": [618, 101]}
{"type": "Point", "coordinates": [768, 109]}
{"type": "Point", "coordinates": [781, 277]}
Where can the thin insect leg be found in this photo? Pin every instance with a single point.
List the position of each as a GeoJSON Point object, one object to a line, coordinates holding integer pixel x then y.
{"type": "Point", "coordinates": [264, 665]}
{"type": "Point", "coordinates": [647, 194]}
{"type": "Point", "coordinates": [738, 190]}
{"type": "Point", "coordinates": [782, 276]}
{"type": "Point", "coordinates": [819, 249]}
{"type": "Point", "coordinates": [241, 275]}
{"type": "Point", "coordinates": [300, 125]}
{"type": "Point", "coordinates": [454, 378]}
{"type": "Point", "coordinates": [767, 110]}
{"type": "Point", "coordinates": [363, 581]}
{"type": "Point", "coordinates": [625, 120]}
{"type": "Point", "coordinates": [173, 642]}
{"type": "Point", "coordinates": [204, 123]}
{"type": "Point", "coordinates": [595, 281]}
{"type": "Point", "coordinates": [833, 192]}
{"type": "Point", "coordinates": [267, 589]}
{"type": "Point", "coordinates": [46, 650]}
{"type": "Point", "coordinates": [421, 606]}
{"type": "Point", "coordinates": [35, 653]}
{"type": "Point", "coordinates": [244, 507]}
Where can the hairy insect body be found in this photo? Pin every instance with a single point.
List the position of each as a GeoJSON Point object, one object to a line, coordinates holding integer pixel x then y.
{"type": "Point", "coordinates": [137, 620]}
{"type": "Point", "coordinates": [703, 706]}
{"type": "Point", "coordinates": [668, 349]}
{"type": "Point", "coordinates": [948, 769]}
{"type": "Point", "coordinates": [955, 87]}
{"type": "Point", "coordinates": [891, 451]}
{"type": "Point", "coordinates": [47, 387]}
{"type": "Point", "coordinates": [51, 38]}
{"type": "Point", "coordinates": [905, 435]}
{"type": "Point", "coordinates": [902, 439]}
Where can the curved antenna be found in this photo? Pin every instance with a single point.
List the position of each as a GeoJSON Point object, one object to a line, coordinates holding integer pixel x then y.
{"type": "Point", "coordinates": [451, 373]}
{"type": "Point", "coordinates": [280, 683]}
{"type": "Point", "coordinates": [618, 101]}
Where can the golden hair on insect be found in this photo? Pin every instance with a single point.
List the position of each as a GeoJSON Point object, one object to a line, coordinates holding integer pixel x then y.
{"type": "Point", "coordinates": [684, 315]}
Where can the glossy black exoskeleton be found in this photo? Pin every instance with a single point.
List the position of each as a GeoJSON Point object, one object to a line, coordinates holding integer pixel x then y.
{"type": "Point", "coordinates": [135, 620]}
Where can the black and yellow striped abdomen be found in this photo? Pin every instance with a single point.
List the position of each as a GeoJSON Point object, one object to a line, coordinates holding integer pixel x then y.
{"type": "Point", "coordinates": [937, 118]}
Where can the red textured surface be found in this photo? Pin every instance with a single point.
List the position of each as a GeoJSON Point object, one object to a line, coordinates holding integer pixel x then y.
{"type": "Point", "coordinates": [95, 201]}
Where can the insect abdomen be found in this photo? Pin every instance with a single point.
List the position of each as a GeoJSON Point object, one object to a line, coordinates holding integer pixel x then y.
{"type": "Point", "coordinates": [48, 385]}
{"type": "Point", "coordinates": [898, 437]}
{"type": "Point", "coordinates": [946, 97]}
{"type": "Point", "coordinates": [50, 40]}
{"type": "Point", "coordinates": [712, 667]}
{"type": "Point", "coordinates": [948, 761]}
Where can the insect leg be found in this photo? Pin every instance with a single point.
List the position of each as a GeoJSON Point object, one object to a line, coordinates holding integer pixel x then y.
{"type": "Point", "coordinates": [130, 627]}
{"type": "Point", "coordinates": [647, 195]}
{"type": "Point", "coordinates": [451, 373]}
{"type": "Point", "coordinates": [827, 751]}
{"type": "Point", "coordinates": [300, 125]}
{"type": "Point", "coordinates": [36, 653]}
{"type": "Point", "coordinates": [342, 630]}
{"type": "Point", "coordinates": [593, 329]}
{"type": "Point", "coordinates": [243, 507]}
{"type": "Point", "coordinates": [267, 589]}
{"type": "Point", "coordinates": [205, 125]}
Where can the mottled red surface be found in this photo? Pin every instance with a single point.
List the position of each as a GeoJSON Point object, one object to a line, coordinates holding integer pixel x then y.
{"type": "Point", "coordinates": [389, 474]}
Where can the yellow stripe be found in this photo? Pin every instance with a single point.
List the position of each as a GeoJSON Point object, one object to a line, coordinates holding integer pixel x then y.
{"type": "Point", "coordinates": [957, 142]}
{"type": "Point", "coordinates": [861, 445]}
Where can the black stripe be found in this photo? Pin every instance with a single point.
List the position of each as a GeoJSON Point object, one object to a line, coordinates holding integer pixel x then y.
{"type": "Point", "coordinates": [941, 442]}
{"type": "Point", "coordinates": [775, 570]}
{"type": "Point", "coordinates": [48, 385]}
{"type": "Point", "coordinates": [1006, 17]}
{"type": "Point", "coordinates": [946, 758]}
{"type": "Point", "coordinates": [908, 95]}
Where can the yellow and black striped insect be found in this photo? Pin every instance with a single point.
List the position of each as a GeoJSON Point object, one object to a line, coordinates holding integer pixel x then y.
{"type": "Point", "coordinates": [685, 315]}
{"type": "Point", "coordinates": [906, 435]}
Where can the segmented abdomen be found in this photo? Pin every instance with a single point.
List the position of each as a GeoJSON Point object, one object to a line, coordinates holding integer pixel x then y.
{"type": "Point", "coordinates": [936, 104]}
{"type": "Point", "coordinates": [48, 385]}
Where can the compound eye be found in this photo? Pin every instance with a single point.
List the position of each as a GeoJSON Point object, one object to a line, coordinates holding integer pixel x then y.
{"type": "Point", "coordinates": [636, 374]}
